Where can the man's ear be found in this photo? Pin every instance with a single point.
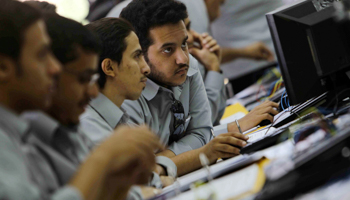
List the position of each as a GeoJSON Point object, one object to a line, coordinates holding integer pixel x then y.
{"type": "Point", "coordinates": [7, 68]}
{"type": "Point", "coordinates": [108, 67]}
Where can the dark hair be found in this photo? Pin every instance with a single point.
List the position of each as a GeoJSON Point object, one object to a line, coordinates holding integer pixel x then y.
{"type": "Point", "coordinates": [67, 36]}
{"type": "Point", "coordinates": [147, 14]}
{"type": "Point", "coordinates": [112, 32]}
{"type": "Point", "coordinates": [42, 5]}
{"type": "Point", "coordinates": [15, 18]}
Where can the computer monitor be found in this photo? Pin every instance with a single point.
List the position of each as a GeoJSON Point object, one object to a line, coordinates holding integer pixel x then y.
{"type": "Point", "coordinates": [310, 46]}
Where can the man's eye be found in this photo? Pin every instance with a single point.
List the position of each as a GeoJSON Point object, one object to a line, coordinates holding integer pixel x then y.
{"type": "Point", "coordinates": [167, 50]}
{"type": "Point", "coordinates": [84, 79]}
{"type": "Point", "coordinates": [184, 45]}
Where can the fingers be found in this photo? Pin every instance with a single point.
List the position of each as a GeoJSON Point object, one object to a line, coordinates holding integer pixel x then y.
{"type": "Point", "coordinates": [267, 53]}
{"type": "Point", "coordinates": [214, 48]}
{"type": "Point", "coordinates": [227, 149]}
{"type": "Point", "coordinates": [167, 180]}
{"type": "Point", "coordinates": [235, 139]}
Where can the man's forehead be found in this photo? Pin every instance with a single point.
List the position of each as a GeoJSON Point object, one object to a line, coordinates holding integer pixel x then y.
{"type": "Point", "coordinates": [36, 36]}
{"type": "Point", "coordinates": [169, 33]}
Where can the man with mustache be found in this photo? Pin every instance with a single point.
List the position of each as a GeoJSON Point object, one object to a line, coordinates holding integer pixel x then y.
{"type": "Point", "coordinates": [174, 103]}
{"type": "Point", "coordinates": [31, 169]}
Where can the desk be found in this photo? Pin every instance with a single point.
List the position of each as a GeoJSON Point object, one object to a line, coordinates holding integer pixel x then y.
{"type": "Point", "coordinates": [236, 168]}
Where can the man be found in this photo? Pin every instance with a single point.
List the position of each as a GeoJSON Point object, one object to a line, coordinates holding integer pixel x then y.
{"type": "Point", "coordinates": [122, 73]}
{"type": "Point", "coordinates": [27, 73]}
{"type": "Point", "coordinates": [77, 49]}
{"type": "Point", "coordinates": [208, 53]}
{"type": "Point", "coordinates": [174, 103]}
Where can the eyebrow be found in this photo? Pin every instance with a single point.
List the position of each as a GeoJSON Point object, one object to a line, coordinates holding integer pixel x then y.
{"type": "Point", "coordinates": [173, 44]}
{"type": "Point", "coordinates": [45, 48]}
{"type": "Point", "coordinates": [137, 51]}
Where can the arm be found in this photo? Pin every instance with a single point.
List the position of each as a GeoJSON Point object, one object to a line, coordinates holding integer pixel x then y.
{"type": "Point", "coordinates": [256, 51]}
{"type": "Point", "coordinates": [222, 146]}
{"type": "Point", "coordinates": [124, 159]}
{"type": "Point", "coordinates": [209, 56]}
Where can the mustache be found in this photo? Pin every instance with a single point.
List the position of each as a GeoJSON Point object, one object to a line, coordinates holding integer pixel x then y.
{"type": "Point", "coordinates": [182, 67]}
{"type": "Point", "coordinates": [143, 78]}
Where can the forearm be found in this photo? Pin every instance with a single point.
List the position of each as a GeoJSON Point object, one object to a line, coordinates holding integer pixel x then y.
{"type": "Point", "coordinates": [185, 162]}
{"type": "Point", "coordinates": [167, 153]}
{"type": "Point", "coordinates": [188, 161]}
{"type": "Point", "coordinates": [229, 54]}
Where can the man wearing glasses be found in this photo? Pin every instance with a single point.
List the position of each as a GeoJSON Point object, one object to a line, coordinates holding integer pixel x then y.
{"type": "Point", "coordinates": [78, 51]}
{"type": "Point", "coordinates": [27, 76]}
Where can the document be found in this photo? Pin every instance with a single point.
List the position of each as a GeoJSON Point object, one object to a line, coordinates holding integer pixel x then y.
{"type": "Point", "coordinates": [231, 186]}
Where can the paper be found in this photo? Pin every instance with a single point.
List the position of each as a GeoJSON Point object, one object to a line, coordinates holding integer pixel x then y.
{"type": "Point", "coordinates": [229, 186]}
{"type": "Point", "coordinates": [233, 112]}
{"type": "Point", "coordinates": [260, 134]}
{"type": "Point", "coordinates": [217, 169]}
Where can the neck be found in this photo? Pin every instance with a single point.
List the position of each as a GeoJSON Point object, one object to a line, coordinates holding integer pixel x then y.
{"type": "Point", "coordinates": [57, 115]}
{"type": "Point", "coordinates": [12, 104]}
{"type": "Point", "coordinates": [113, 94]}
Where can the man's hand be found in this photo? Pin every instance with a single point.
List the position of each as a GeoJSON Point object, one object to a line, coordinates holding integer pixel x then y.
{"type": "Point", "coordinates": [264, 111]}
{"type": "Point", "coordinates": [148, 192]}
{"type": "Point", "coordinates": [167, 180]}
{"type": "Point", "coordinates": [132, 153]}
{"type": "Point", "coordinates": [125, 158]}
{"type": "Point", "coordinates": [224, 146]}
{"type": "Point", "coordinates": [208, 54]}
{"type": "Point", "coordinates": [258, 51]}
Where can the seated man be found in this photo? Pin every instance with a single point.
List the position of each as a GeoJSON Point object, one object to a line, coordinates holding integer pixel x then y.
{"type": "Point", "coordinates": [27, 78]}
{"type": "Point", "coordinates": [77, 49]}
{"type": "Point", "coordinates": [122, 73]}
{"type": "Point", "coordinates": [174, 103]}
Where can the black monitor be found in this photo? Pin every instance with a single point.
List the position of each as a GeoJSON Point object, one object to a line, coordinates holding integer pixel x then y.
{"type": "Point", "coordinates": [311, 47]}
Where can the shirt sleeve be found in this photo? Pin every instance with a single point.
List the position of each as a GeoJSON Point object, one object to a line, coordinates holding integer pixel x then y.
{"type": "Point", "coordinates": [198, 132]}
{"type": "Point", "coordinates": [215, 88]}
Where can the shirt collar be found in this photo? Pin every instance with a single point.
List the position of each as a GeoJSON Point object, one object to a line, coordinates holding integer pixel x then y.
{"type": "Point", "coordinates": [152, 88]}
{"type": "Point", "coordinates": [42, 124]}
{"type": "Point", "coordinates": [110, 112]}
{"type": "Point", "coordinates": [12, 122]}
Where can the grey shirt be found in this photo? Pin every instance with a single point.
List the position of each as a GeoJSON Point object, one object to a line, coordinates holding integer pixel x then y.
{"type": "Point", "coordinates": [153, 109]}
{"type": "Point", "coordinates": [215, 88]}
{"type": "Point", "coordinates": [24, 171]}
{"type": "Point", "coordinates": [71, 142]}
{"type": "Point", "coordinates": [213, 81]}
{"type": "Point", "coordinates": [102, 116]}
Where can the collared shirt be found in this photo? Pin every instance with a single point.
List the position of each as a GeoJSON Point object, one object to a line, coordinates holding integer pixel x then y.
{"type": "Point", "coordinates": [69, 141]}
{"type": "Point", "coordinates": [102, 116]}
{"type": "Point", "coordinates": [24, 171]}
{"type": "Point", "coordinates": [215, 88]}
{"type": "Point", "coordinates": [153, 109]}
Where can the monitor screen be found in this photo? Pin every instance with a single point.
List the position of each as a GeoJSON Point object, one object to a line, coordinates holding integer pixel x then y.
{"type": "Point", "coordinates": [310, 47]}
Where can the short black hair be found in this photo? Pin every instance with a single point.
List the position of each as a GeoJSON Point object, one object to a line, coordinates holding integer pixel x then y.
{"type": "Point", "coordinates": [67, 36]}
{"type": "Point", "coordinates": [147, 14]}
{"type": "Point", "coordinates": [112, 32]}
{"type": "Point", "coordinates": [15, 18]}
